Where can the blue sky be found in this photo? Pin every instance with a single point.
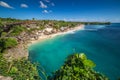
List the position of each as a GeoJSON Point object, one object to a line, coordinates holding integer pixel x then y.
{"type": "Point", "coordinates": [69, 10]}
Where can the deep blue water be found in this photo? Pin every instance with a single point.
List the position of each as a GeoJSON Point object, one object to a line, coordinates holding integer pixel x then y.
{"type": "Point", "coordinates": [101, 43]}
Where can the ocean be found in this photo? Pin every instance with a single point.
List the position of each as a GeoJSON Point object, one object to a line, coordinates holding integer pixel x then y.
{"type": "Point", "coordinates": [101, 43]}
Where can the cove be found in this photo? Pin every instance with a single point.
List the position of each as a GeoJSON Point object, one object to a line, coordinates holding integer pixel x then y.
{"type": "Point", "coordinates": [100, 44]}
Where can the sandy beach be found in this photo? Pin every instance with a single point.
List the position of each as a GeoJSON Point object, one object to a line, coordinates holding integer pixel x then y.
{"type": "Point", "coordinates": [44, 37]}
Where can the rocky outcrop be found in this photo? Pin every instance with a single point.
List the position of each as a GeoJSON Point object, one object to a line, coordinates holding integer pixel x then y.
{"type": "Point", "coordinates": [5, 78]}
{"type": "Point", "coordinates": [16, 53]}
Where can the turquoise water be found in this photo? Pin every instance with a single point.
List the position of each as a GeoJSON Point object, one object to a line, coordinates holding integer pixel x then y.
{"type": "Point", "coordinates": [100, 43]}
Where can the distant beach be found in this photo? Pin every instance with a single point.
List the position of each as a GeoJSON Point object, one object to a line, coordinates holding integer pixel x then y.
{"type": "Point", "coordinates": [43, 37]}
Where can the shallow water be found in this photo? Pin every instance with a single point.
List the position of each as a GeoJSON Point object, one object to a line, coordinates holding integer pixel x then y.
{"type": "Point", "coordinates": [101, 43]}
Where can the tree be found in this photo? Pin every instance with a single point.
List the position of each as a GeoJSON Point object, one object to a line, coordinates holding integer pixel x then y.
{"type": "Point", "coordinates": [16, 30]}
{"type": "Point", "coordinates": [33, 18]}
{"type": "Point", "coordinates": [1, 27]}
{"type": "Point", "coordinates": [77, 67]}
{"type": "Point", "coordinates": [3, 34]}
{"type": "Point", "coordinates": [10, 42]}
{"type": "Point", "coordinates": [7, 43]}
{"type": "Point", "coordinates": [21, 69]}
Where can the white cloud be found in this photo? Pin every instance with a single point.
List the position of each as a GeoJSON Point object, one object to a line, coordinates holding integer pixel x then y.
{"type": "Point", "coordinates": [42, 5]}
{"type": "Point", "coordinates": [52, 4]}
{"type": "Point", "coordinates": [6, 5]}
{"type": "Point", "coordinates": [46, 11]}
{"type": "Point", "coordinates": [24, 6]}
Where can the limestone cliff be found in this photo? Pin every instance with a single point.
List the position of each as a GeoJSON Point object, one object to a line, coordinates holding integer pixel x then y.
{"type": "Point", "coordinates": [18, 52]}
{"type": "Point", "coordinates": [5, 78]}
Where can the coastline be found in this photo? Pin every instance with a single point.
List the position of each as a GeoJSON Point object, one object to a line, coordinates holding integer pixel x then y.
{"type": "Point", "coordinates": [44, 37]}
{"type": "Point", "coordinates": [21, 50]}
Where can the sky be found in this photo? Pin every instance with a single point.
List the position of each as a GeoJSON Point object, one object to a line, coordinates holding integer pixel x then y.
{"type": "Point", "coordinates": [68, 10]}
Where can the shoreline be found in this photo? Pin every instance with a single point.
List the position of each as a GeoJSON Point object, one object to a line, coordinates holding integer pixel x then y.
{"type": "Point", "coordinates": [21, 50]}
{"type": "Point", "coordinates": [44, 37]}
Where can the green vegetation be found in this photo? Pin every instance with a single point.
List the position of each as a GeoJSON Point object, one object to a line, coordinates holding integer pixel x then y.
{"type": "Point", "coordinates": [77, 67]}
{"type": "Point", "coordinates": [16, 30]}
{"type": "Point", "coordinates": [19, 69]}
{"type": "Point", "coordinates": [6, 43]}
{"type": "Point", "coordinates": [1, 24]}
{"type": "Point", "coordinates": [8, 20]}
{"type": "Point", "coordinates": [1, 27]}
{"type": "Point", "coordinates": [59, 24]}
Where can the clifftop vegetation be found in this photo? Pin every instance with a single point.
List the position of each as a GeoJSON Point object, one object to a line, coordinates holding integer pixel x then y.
{"type": "Point", "coordinates": [78, 67]}
{"type": "Point", "coordinates": [21, 69]}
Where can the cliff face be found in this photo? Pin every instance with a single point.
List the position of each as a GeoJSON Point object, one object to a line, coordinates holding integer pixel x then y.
{"type": "Point", "coordinates": [28, 32]}
{"type": "Point", "coordinates": [5, 78]}
{"type": "Point", "coordinates": [25, 38]}
{"type": "Point", "coordinates": [18, 52]}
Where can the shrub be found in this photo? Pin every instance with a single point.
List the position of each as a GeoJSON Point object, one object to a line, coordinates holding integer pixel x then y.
{"type": "Point", "coordinates": [77, 67]}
